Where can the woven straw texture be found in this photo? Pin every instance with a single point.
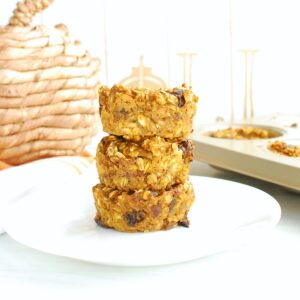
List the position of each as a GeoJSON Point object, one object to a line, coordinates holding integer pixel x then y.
{"type": "Point", "coordinates": [48, 89]}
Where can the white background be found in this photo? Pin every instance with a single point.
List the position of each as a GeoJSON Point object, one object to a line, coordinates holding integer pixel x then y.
{"type": "Point", "coordinates": [159, 29]}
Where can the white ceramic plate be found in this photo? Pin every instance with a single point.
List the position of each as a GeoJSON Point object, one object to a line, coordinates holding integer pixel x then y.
{"type": "Point", "coordinates": [19, 182]}
{"type": "Point", "coordinates": [60, 220]}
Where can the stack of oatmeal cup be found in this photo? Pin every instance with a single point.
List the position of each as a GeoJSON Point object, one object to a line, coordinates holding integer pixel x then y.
{"type": "Point", "coordinates": [143, 163]}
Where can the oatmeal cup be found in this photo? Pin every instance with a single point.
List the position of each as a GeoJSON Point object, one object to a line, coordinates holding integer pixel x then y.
{"type": "Point", "coordinates": [153, 163]}
{"type": "Point", "coordinates": [143, 210]}
{"type": "Point", "coordinates": [242, 133]}
{"type": "Point", "coordinates": [283, 148]}
{"type": "Point", "coordinates": [142, 112]}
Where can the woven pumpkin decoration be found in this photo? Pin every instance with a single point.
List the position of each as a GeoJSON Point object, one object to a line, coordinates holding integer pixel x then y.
{"type": "Point", "coordinates": [48, 89]}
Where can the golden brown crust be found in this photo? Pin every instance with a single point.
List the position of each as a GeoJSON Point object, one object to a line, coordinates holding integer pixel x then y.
{"type": "Point", "coordinates": [153, 163]}
{"type": "Point", "coordinates": [143, 210]}
{"type": "Point", "coordinates": [132, 113]}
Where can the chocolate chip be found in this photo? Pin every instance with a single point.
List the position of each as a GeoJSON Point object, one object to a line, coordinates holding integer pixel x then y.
{"type": "Point", "coordinates": [155, 210]}
{"type": "Point", "coordinates": [172, 204]}
{"type": "Point", "coordinates": [121, 139]}
{"type": "Point", "coordinates": [123, 112]}
{"type": "Point", "coordinates": [134, 217]}
{"type": "Point", "coordinates": [180, 96]}
{"type": "Point", "coordinates": [100, 223]}
{"type": "Point", "coordinates": [187, 148]}
{"type": "Point", "coordinates": [130, 192]}
{"type": "Point", "coordinates": [120, 114]}
{"type": "Point", "coordinates": [175, 191]}
{"type": "Point", "coordinates": [185, 221]}
{"type": "Point", "coordinates": [183, 146]}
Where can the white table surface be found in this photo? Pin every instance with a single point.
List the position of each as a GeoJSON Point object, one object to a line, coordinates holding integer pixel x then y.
{"type": "Point", "coordinates": [266, 269]}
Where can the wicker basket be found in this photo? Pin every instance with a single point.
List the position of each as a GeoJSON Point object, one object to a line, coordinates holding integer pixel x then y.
{"type": "Point", "coordinates": [48, 89]}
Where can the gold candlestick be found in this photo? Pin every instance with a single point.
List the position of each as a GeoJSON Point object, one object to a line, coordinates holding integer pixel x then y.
{"type": "Point", "coordinates": [142, 76]}
{"type": "Point", "coordinates": [187, 67]}
{"type": "Point", "coordinates": [248, 113]}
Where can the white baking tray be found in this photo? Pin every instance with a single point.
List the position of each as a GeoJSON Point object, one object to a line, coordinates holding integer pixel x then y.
{"type": "Point", "coordinates": [251, 157]}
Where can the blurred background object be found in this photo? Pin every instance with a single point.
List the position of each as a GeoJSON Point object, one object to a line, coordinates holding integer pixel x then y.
{"type": "Point", "coordinates": [141, 76]}
{"type": "Point", "coordinates": [187, 63]}
{"type": "Point", "coordinates": [48, 89]}
{"type": "Point", "coordinates": [159, 30]}
{"type": "Point", "coordinates": [248, 113]}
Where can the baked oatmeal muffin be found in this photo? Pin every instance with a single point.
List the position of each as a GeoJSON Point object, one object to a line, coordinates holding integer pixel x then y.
{"type": "Point", "coordinates": [152, 163]}
{"type": "Point", "coordinates": [142, 112]}
{"type": "Point", "coordinates": [143, 210]}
